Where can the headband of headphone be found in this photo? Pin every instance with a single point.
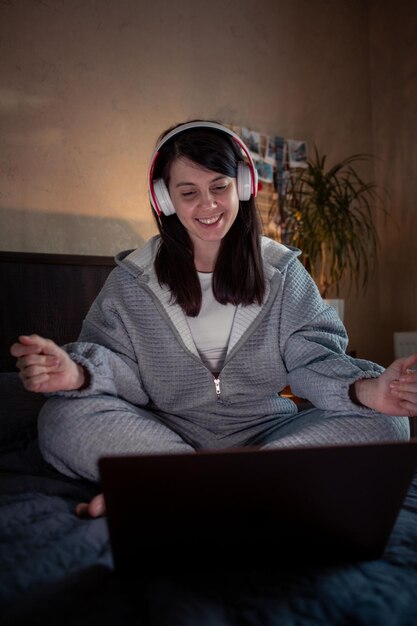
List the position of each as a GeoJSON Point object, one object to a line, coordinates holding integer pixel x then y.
{"type": "Point", "coordinates": [247, 175]}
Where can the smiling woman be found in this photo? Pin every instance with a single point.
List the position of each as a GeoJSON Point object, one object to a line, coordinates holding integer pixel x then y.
{"type": "Point", "coordinates": [206, 205]}
{"type": "Point", "coordinates": [194, 336]}
{"type": "Point", "coordinates": [206, 184]}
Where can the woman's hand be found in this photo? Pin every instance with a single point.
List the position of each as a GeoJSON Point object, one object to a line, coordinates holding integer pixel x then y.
{"type": "Point", "coordinates": [95, 508]}
{"type": "Point", "coordinates": [394, 392]}
{"type": "Point", "coordinates": [45, 367]}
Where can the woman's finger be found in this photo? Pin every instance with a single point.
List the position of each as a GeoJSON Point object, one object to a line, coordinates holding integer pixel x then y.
{"type": "Point", "coordinates": [34, 344]}
{"type": "Point", "coordinates": [35, 370]}
{"type": "Point", "coordinates": [38, 383]}
{"type": "Point", "coordinates": [43, 345]}
{"type": "Point", "coordinates": [19, 350]}
{"type": "Point", "coordinates": [37, 360]}
{"type": "Point", "coordinates": [410, 363]}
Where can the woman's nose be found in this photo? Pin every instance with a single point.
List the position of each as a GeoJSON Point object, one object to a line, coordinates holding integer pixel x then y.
{"type": "Point", "coordinates": [207, 200]}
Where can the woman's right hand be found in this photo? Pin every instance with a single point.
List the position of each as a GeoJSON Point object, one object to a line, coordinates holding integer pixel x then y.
{"type": "Point", "coordinates": [45, 367]}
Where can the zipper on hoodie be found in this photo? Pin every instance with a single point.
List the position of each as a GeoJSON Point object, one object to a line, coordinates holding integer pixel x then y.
{"type": "Point", "coordinates": [217, 385]}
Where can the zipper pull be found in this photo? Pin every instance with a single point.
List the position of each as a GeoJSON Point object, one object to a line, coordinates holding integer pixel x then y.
{"type": "Point", "coordinates": [217, 385]}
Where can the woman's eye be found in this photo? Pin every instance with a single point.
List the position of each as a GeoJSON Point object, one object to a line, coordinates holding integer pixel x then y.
{"type": "Point", "coordinates": [187, 194]}
{"type": "Point", "coordinates": [220, 188]}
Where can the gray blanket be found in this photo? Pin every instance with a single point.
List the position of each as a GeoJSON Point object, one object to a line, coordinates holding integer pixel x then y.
{"type": "Point", "coordinates": [57, 569]}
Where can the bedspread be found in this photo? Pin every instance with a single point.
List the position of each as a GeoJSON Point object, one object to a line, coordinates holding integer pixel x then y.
{"type": "Point", "coordinates": [57, 569]}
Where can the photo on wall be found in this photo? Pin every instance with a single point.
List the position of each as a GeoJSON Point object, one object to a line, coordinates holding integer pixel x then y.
{"type": "Point", "coordinates": [253, 141]}
{"type": "Point", "coordinates": [297, 153]}
{"type": "Point", "coordinates": [265, 170]}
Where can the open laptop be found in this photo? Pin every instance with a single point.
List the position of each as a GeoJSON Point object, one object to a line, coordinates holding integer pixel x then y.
{"type": "Point", "coordinates": [250, 507]}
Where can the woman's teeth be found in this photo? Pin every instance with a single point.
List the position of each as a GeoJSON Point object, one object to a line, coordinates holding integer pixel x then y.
{"type": "Point", "coordinates": [209, 220]}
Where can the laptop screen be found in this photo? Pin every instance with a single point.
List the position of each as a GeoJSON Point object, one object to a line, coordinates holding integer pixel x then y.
{"type": "Point", "coordinates": [251, 507]}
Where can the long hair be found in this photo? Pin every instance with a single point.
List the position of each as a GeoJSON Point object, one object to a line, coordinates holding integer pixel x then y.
{"type": "Point", "coordinates": [238, 276]}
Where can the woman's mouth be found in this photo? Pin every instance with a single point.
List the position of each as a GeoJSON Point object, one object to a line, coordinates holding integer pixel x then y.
{"type": "Point", "coordinates": [209, 220]}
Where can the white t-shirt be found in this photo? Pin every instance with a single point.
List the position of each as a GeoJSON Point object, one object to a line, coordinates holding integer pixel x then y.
{"type": "Point", "coordinates": [211, 328]}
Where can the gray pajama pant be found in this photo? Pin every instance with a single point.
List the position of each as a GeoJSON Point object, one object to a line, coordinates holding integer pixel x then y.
{"type": "Point", "coordinates": [74, 433]}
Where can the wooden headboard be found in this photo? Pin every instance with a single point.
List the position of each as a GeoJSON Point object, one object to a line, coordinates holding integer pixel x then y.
{"type": "Point", "coordinates": [48, 294]}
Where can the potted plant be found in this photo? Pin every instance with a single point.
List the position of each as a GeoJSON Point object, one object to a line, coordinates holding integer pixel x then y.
{"type": "Point", "coordinates": [328, 213]}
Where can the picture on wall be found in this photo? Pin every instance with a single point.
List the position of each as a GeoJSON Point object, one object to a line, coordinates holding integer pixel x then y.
{"type": "Point", "coordinates": [271, 150]}
{"type": "Point", "coordinates": [297, 153]}
{"type": "Point", "coordinates": [274, 157]}
{"type": "Point", "coordinates": [265, 170]}
{"type": "Point", "coordinates": [253, 140]}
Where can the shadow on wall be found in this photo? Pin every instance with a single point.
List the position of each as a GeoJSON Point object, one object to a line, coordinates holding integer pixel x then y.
{"type": "Point", "coordinates": [31, 230]}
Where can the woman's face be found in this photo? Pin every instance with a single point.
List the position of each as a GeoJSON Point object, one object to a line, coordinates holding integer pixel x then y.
{"type": "Point", "coordinates": [206, 202]}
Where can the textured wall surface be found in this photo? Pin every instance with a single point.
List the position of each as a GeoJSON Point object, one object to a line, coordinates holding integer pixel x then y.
{"type": "Point", "coordinates": [86, 87]}
{"type": "Point", "coordinates": [391, 304]}
{"type": "Point", "coordinates": [394, 71]}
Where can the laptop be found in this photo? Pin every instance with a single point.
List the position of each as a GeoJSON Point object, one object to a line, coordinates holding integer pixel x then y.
{"type": "Point", "coordinates": [247, 507]}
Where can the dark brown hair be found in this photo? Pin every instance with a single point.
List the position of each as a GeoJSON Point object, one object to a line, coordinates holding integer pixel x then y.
{"type": "Point", "coordinates": [238, 276]}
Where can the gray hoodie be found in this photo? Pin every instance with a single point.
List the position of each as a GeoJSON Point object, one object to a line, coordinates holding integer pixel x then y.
{"type": "Point", "coordinates": [136, 345]}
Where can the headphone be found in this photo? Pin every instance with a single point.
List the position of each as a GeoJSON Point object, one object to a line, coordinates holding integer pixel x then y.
{"type": "Point", "coordinates": [247, 175]}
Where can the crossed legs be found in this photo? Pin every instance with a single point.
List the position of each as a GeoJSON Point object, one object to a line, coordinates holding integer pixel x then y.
{"type": "Point", "coordinates": [315, 427]}
{"type": "Point", "coordinates": [74, 433]}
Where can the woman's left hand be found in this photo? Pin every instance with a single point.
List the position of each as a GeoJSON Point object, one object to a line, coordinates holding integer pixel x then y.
{"type": "Point", "coordinates": [394, 392]}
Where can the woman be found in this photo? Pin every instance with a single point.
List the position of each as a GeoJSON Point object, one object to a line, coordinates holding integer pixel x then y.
{"type": "Point", "coordinates": [193, 337]}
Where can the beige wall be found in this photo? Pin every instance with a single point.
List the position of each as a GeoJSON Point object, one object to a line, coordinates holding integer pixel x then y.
{"type": "Point", "coordinates": [392, 301]}
{"type": "Point", "coordinates": [86, 88]}
{"type": "Point", "coordinates": [395, 141]}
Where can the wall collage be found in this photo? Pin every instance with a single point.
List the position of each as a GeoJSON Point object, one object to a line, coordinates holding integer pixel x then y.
{"type": "Point", "coordinates": [274, 158]}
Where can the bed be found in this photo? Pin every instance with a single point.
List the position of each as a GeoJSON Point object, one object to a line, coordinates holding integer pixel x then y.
{"type": "Point", "coordinates": [56, 568]}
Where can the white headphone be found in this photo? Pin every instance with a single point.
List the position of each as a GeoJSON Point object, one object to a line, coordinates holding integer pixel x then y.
{"type": "Point", "coordinates": [247, 175]}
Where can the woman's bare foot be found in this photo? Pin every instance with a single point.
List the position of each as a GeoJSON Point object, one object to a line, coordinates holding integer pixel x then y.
{"type": "Point", "coordinates": [95, 508]}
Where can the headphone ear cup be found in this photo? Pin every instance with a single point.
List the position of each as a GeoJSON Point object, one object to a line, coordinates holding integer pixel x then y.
{"type": "Point", "coordinates": [244, 181]}
{"type": "Point", "coordinates": [162, 197]}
